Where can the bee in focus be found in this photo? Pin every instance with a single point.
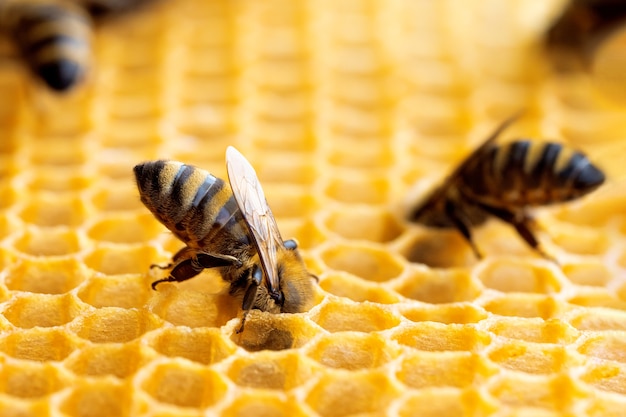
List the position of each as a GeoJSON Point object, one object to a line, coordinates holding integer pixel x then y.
{"type": "Point", "coordinates": [53, 38]}
{"type": "Point", "coordinates": [504, 181]}
{"type": "Point", "coordinates": [229, 227]}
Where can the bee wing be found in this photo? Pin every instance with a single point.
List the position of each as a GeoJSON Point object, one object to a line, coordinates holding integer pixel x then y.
{"type": "Point", "coordinates": [487, 142]}
{"type": "Point", "coordinates": [253, 205]}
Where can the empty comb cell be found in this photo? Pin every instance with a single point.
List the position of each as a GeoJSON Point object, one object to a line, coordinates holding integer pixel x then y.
{"type": "Point", "coordinates": [118, 360]}
{"type": "Point", "coordinates": [368, 262]}
{"type": "Point", "coordinates": [202, 345]}
{"type": "Point", "coordinates": [43, 310]}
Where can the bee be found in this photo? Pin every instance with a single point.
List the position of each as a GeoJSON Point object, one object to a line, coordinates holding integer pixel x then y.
{"type": "Point", "coordinates": [227, 226]}
{"type": "Point", "coordinates": [580, 30]}
{"type": "Point", "coordinates": [53, 37]}
{"type": "Point", "coordinates": [504, 181]}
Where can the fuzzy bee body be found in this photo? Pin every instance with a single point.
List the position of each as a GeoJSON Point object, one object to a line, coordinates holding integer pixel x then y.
{"type": "Point", "coordinates": [503, 181]}
{"type": "Point", "coordinates": [227, 226]}
{"type": "Point", "coordinates": [53, 37]}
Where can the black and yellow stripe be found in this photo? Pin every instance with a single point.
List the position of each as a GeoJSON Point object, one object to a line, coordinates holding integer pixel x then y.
{"type": "Point", "coordinates": [54, 38]}
{"type": "Point", "coordinates": [196, 206]}
{"type": "Point", "coordinates": [524, 172]}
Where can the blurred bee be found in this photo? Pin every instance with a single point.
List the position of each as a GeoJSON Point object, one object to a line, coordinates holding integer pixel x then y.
{"type": "Point", "coordinates": [53, 37]}
{"type": "Point", "coordinates": [503, 181]}
{"type": "Point", "coordinates": [226, 227]}
{"type": "Point", "coordinates": [582, 27]}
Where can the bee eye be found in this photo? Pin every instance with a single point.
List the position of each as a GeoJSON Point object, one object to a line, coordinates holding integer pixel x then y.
{"type": "Point", "coordinates": [291, 244]}
{"type": "Point", "coordinates": [278, 298]}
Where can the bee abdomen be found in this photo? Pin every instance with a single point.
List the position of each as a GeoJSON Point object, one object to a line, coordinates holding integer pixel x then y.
{"type": "Point", "coordinates": [530, 173]}
{"type": "Point", "coordinates": [191, 202]}
{"type": "Point", "coordinates": [53, 37]}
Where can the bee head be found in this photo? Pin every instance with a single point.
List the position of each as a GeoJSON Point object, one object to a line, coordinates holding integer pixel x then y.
{"type": "Point", "coordinates": [296, 283]}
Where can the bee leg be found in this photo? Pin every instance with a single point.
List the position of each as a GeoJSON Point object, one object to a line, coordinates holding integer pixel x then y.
{"type": "Point", "coordinates": [523, 225]}
{"type": "Point", "coordinates": [167, 266]}
{"type": "Point", "coordinates": [256, 277]}
{"type": "Point", "coordinates": [193, 265]}
{"type": "Point", "coordinates": [181, 254]}
{"type": "Point", "coordinates": [463, 225]}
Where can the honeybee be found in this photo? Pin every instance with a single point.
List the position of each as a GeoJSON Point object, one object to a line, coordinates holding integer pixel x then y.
{"type": "Point", "coordinates": [53, 37]}
{"type": "Point", "coordinates": [229, 227]}
{"type": "Point", "coordinates": [503, 181]}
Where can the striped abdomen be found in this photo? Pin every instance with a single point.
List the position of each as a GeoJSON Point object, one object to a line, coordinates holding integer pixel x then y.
{"type": "Point", "coordinates": [528, 173]}
{"type": "Point", "coordinates": [194, 205]}
{"type": "Point", "coordinates": [53, 37]}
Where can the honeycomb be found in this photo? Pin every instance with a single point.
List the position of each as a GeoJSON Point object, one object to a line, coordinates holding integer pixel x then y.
{"type": "Point", "coordinates": [342, 106]}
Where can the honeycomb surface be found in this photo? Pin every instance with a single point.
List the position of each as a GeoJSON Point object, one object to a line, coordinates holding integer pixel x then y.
{"type": "Point", "coordinates": [341, 106]}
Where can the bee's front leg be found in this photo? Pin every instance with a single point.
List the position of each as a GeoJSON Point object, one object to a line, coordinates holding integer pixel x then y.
{"type": "Point", "coordinates": [255, 278]}
{"type": "Point", "coordinates": [463, 225]}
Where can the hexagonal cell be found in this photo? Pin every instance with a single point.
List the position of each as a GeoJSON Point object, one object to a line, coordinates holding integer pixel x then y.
{"type": "Point", "coordinates": [31, 380]}
{"type": "Point", "coordinates": [609, 346]}
{"type": "Point", "coordinates": [202, 345]}
{"type": "Point", "coordinates": [305, 232]}
{"type": "Point", "coordinates": [532, 358]}
{"type": "Point", "coordinates": [353, 351]}
{"type": "Point", "coordinates": [380, 225]}
{"type": "Point", "coordinates": [459, 313]}
{"type": "Point", "coordinates": [265, 404]}
{"type": "Point", "coordinates": [438, 249]}
{"type": "Point", "coordinates": [580, 240]}
{"type": "Point", "coordinates": [284, 135]}
{"type": "Point", "coordinates": [377, 154]}
{"type": "Point", "coordinates": [426, 369]}
{"type": "Point", "coordinates": [512, 275]}
{"type": "Point", "coordinates": [592, 212]}
{"type": "Point", "coordinates": [588, 272]}
{"type": "Point", "coordinates": [59, 181]}
{"type": "Point", "coordinates": [553, 393]}
{"type": "Point", "coordinates": [119, 360]}
{"type": "Point", "coordinates": [439, 286]}
{"type": "Point", "coordinates": [595, 297]}
{"type": "Point", "coordinates": [343, 316]}
{"type": "Point", "coordinates": [40, 344]}
{"type": "Point", "coordinates": [7, 225]}
{"type": "Point", "coordinates": [48, 242]}
{"type": "Point", "coordinates": [605, 404]}
{"type": "Point", "coordinates": [54, 210]}
{"type": "Point", "coordinates": [115, 325]}
{"type": "Point", "coordinates": [131, 228]}
{"type": "Point", "coordinates": [42, 310]}
{"type": "Point", "coordinates": [437, 337]}
{"type": "Point", "coordinates": [118, 260]}
{"type": "Point", "coordinates": [339, 394]}
{"type": "Point", "coordinates": [191, 308]}
{"type": "Point", "coordinates": [119, 196]}
{"type": "Point", "coordinates": [126, 291]}
{"type": "Point", "coordinates": [368, 262]}
{"type": "Point", "coordinates": [524, 305]}
{"type": "Point", "coordinates": [293, 168]}
{"type": "Point", "coordinates": [272, 370]}
{"type": "Point", "coordinates": [290, 201]}
{"type": "Point", "coordinates": [598, 319]}
{"type": "Point", "coordinates": [99, 398]}
{"type": "Point", "coordinates": [14, 407]}
{"type": "Point", "coordinates": [358, 189]}
{"type": "Point", "coordinates": [448, 402]}
{"type": "Point", "coordinates": [535, 330]}
{"type": "Point", "coordinates": [267, 331]}
{"type": "Point", "coordinates": [606, 376]}
{"type": "Point", "coordinates": [182, 384]}
{"type": "Point", "coordinates": [345, 285]}
{"type": "Point", "coordinates": [46, 276]}
{"type": "Point", "coordinates": [61, 152]}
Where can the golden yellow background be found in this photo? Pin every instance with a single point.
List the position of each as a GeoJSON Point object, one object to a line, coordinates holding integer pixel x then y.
{"type": "Point", "coordinates": [342, 106]}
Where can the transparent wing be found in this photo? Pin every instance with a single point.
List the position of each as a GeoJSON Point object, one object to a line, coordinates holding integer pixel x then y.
{"type": "Point", "coordinates": [251, 201]}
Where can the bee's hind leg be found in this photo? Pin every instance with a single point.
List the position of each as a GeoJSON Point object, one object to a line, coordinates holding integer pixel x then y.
{"type": "Point", "coordinates": [463, 225]}
{"type": "Point", "coordinates": [194, 264]}
{"type": "Point", "coordinates": [523, 224]}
